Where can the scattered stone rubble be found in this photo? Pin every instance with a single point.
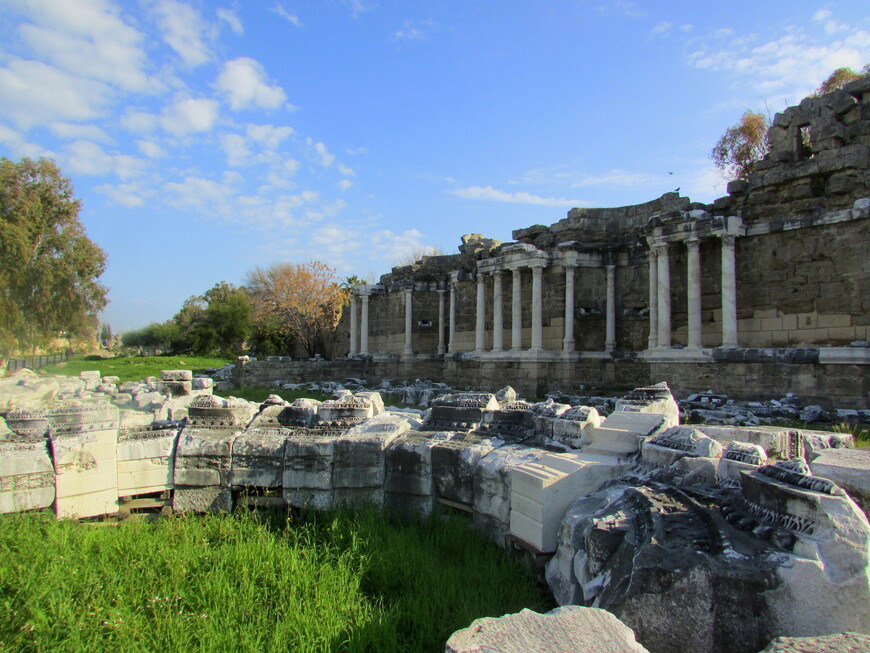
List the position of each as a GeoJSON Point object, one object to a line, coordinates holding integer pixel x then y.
{"type": "Point", "coordinates": [697, 537]}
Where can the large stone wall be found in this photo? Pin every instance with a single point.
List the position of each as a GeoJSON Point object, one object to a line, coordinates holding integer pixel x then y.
{"type": "Point", "coordinates": [778, 263]}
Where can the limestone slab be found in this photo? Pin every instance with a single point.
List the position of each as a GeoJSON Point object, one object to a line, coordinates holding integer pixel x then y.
{"type": "Point", "coordinates": [258, 458]}
{"type": "Point", "coordinates": [26, 476]}
{"type": "Point", "coordinates": [492, 486]}
{"type": "Point", "coordinates": [454, 461]}
{"type": "Point", "coordinates": [569, 628]}
{"type": "Point", "coordinates": [309, 499]}
{"type": "Point", "coordinates": [308, 462]}
{"type": "Point", "coordinates": [210, 498]}
{"type": "Point", "coordinates": [848, 468]}
{"type": "Point", "coordinates": [622, 432]}
{"type": "Point", "coordinates": [146, 461]}
{"type": "Point", "coordinates": [203, 457]}
{"type": "Point", "coordinates": [84, 440]}
{"type": "Point", "coordinates": [542, 491]}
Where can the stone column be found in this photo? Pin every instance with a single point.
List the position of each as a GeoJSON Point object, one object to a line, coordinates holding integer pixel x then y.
{"type": "Point", "coordinates": [653, 340]}
{"type": "Point", "coordinates": [729, 293]}
{"type": "Point", "coordinates": [364, 329]}
{"type": "Point", "coordinates": [516, 310]}
{"type": "Point", "coordinates": [451, 340]}
{"type": "Point", "coordinates": [568, 340]}
{"type": "Point", "coordinates": [354, 327]}
{"type": "Point", "coordinates": [497, 312]}
{"type": "Point", "coordinates": [664, 300]}
{"type": "Point", "coordinates": [480, 324]}
{"type": "Point", "coordinates": [409, 322]}
{"type": "Point", "coordinates": [537, 308]}
{"type": "Point", "coordinates": [610, 322]}
{"type": "Point", "coordinates": [693, 265]}
{"type": "Point", "coordinates": [440, 321]}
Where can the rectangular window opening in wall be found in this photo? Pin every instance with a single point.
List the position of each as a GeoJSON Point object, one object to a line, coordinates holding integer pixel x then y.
{"type": "Point", "coordinates": [805, 143]}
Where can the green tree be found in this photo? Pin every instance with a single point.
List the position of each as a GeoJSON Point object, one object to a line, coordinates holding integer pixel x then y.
{"type": "Point", "coordinates": [228, 316]}
{"type": "Point", "coordinates": [839, 78]}
{"type": "Point", "coordinates": [48, 266]}
{"type": "Point", "coordinates": [741, 146]}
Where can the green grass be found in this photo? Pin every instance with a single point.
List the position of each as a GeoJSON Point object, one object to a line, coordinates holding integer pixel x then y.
{"type": "Point", "coordinates": [311, 582]}
{"type": "Point", "coordinates": [134, 368]}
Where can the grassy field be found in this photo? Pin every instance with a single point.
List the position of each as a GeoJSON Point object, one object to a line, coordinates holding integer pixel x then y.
{"type": "Point", "coordinates": [311, 582]}
{"type": "Point", "coordinates": [134, 368]}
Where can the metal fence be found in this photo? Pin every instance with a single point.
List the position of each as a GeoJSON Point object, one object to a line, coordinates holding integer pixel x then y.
{"type": "Point", "coordinates": [35, 362]}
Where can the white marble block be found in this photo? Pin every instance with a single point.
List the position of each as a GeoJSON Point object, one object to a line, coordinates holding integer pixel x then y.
{"type": "Point", "coordinates": [84, 441]}
{"type": "Point", "coordinates": [146, 461]}
{"type": "Point", "coordinates": [26, 475]}
{"type": "Point", "coordinates": [542, 490]}
{"type": "Point", "coordinates": [622, 432]}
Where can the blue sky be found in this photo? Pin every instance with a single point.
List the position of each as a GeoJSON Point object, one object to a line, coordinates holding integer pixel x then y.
{"type": "Point", "coordinates": [206, 138]}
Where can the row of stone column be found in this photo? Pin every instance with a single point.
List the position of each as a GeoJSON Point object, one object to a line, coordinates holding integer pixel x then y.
{"type": "Point", "coordinates": [660, 293]}
{"type": "Point", "coordinates": [659, 302]}
{"type": "Point", "coordinates": [359, 332]}
{"type": "Point", "coordinates": [537, 343]}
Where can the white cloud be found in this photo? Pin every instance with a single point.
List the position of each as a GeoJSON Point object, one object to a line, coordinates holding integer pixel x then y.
{"type": "Point", "coordinates": [236, 147]}
{"type": "Point", "coordinates": [87, 158]}
{"type": "Point", "coordinates": [269, 136]}
{"type": "Point", "coordinates": [150, 149]}
{"type": "Point", "coordinates": [490, 194]}
{"type": "Point", "coordinates": [184, 31]}
{"type": "Point", "coordinates": [293, 18]}
{"type": "Point", "coordinates": [414, 30]}
{"type": "Point", "coordinates": [210, 197]}
{"type": "Point", "coordinates": [345, 184]}
{"type": "Point", "coordinates": [347, 172]}
{"type": "Point", "coordinates": [280, 175]}
{"type": "Point", "coordinates": [230, 18]}
{"type": "Point", "coordinates": [792, 64]}
{"type": "Point", "coordinates": [661, 29]}
{"type": "Point", "coordinates": [325, 156]}
{"type": "Point", "coordinates": [243, 82]}
{"type": "Point", "coordinates": [184, 115]}
{"type": "Point", "coordinates": [88, 39]}
{"type": "Point", "coordinates": [189, 115]}
{"type": "Point", "coordinates": [72, 131]}
{"type": "Point", "coordinates": [18, 147]}
{"type": "Point", "coordinates": [33, 93]}
{"type": "Point", "coordinates": [129, 195]}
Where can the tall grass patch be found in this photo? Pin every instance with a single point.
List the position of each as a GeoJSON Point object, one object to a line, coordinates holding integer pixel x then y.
{"type": "Point", "coordinates": [134, 368]}
{"type": "Point", "coordinates": [249, 582]}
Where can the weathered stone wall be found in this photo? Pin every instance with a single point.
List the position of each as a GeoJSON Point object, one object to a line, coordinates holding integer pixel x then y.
{"type": "Point", "coordinates": [771, 377]}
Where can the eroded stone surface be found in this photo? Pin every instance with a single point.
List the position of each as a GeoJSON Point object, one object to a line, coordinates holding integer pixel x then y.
{"type": "Point", "coordinates": [563, 629]}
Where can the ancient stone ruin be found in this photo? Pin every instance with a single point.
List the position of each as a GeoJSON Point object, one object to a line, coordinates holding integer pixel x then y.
{"type": "Point", "coordinates": [701, 538]}
{"type": "Point", "coordinates": [766, 290]}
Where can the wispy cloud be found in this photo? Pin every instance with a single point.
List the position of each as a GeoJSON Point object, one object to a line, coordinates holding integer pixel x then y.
{"type": "Point", "coordinates": [414, 30]}
{"type": "Point", "coordinates": [793, 63]}
{"type": "Point", "coordinates": [229, 17]}
{"type": "Point", "coordinates": [490, 194]}
{"type": "Point", "coordinates": [293, 18]}
{"type": "Point", "coordinates": [184, 31]}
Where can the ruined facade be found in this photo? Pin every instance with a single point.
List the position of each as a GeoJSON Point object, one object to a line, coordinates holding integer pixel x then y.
{"type": "Point", "coordinates": [768, 287]}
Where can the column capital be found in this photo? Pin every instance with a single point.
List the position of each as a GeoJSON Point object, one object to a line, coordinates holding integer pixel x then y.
{"type": "Point", "coordinates": [692, 242]}
{"type": "Point", "coordinates": [440, 291]}
{"type": "Point", "coordinates": [728, 240]}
